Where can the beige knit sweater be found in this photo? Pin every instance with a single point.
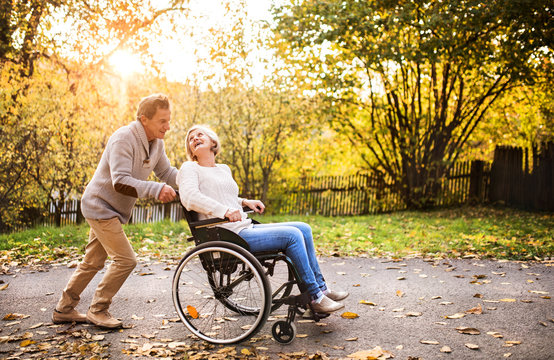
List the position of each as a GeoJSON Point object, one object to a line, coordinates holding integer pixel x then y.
{"type": "Point", "coordinates": [211, 191]}
{"type": "Point", "coordinates": [122, 174]}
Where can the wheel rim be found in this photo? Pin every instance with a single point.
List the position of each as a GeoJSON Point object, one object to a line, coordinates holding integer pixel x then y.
{"type": "Point", "coordinates": [211, 278]}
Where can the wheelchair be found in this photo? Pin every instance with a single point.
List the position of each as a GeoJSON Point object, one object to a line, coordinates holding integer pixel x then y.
{"type": "Point", "coordinates": [224, 294]}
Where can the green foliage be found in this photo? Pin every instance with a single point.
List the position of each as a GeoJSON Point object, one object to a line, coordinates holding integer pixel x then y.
{"type": "Point", "coordinates": [408, 82]}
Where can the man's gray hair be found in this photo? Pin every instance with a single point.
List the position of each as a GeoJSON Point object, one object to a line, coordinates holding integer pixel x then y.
{"type": "Point", "coordinates": [150, 104]}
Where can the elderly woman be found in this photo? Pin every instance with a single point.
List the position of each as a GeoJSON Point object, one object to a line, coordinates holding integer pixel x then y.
{"type": "Point", "coordinates": [209, 189]}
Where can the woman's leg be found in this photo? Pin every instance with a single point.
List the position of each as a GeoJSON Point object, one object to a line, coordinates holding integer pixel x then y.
{"type": "Point", "coordinates": [310, 248]}
{"type": "Point", "coordinates": [287, 238]}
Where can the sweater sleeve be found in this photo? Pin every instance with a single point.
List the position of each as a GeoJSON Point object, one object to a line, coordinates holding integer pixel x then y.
{"type": "Point", "coordinates": [121, 165]}
{"type": "Point", "coordinates": [191, 197]}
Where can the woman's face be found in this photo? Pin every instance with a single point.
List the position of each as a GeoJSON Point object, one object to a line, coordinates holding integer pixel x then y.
{"type": "Point", "coordinates": [198, 142]}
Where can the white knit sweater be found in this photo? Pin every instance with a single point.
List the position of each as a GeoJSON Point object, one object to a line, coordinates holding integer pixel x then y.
{"type": "Point", "coordinates": [211, 191]}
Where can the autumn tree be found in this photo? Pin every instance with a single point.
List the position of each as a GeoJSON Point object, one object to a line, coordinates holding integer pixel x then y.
{"type": "Point", "coordinates": [254, 111]}
{"type": "Point", "coordinates": [409, 81]}
{"type": "Point", "coordinates": [49, 102]}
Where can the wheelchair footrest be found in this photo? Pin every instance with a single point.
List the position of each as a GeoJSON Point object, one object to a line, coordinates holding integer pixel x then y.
{"type": "Point", "coordinates": [297, 300]}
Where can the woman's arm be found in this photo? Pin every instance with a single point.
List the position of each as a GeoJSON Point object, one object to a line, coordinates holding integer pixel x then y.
{"type": "Point", "coordinates": [255, 205]}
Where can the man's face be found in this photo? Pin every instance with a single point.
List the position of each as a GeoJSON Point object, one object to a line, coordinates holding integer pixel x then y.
{"type": "Point", "coordinates": [156, 127]}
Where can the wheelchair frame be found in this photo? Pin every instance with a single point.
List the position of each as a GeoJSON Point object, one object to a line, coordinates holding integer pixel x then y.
{"type": "Point", "coordinates": [251, 285]}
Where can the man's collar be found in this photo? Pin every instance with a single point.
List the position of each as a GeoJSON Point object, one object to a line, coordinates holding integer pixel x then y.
{"type": "Point", "coordinates": [138, 129]}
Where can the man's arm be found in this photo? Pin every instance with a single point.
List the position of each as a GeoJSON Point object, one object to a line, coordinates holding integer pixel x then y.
{"type": "Point", "coordinates": [121, 166]}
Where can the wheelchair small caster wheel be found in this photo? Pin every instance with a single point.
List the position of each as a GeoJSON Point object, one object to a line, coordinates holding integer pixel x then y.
{"type": "Point", "coordinates": [283, 332]}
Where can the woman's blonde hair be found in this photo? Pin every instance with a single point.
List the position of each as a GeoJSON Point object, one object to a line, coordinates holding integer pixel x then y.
{"type": "Point", "coordinates": [216, 147]}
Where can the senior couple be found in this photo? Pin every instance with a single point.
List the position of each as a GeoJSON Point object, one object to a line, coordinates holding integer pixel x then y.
{"type": "Point", "coordinates": [130, 156]}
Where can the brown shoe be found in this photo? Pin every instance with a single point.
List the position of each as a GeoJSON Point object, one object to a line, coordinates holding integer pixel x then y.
{"type": "Point", "coordinates": [326, 305]}
{"type": "Point", "coordinates": [337, 295]}
{"type": "Point", "coordinates": [68, 317]}
{"type": "Point", "coordinates": [103, 319]}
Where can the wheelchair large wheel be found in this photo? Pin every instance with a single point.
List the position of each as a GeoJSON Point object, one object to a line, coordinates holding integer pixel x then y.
{"type": "Point", "coordinates": [221, 293]}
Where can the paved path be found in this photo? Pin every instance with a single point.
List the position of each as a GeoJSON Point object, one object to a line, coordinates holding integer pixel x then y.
{"type": "Point", "coordinates": [411, 300]}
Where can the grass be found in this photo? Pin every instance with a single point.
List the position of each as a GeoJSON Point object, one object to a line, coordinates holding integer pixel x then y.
{"type": "Point", "coordinates": [467, 231]}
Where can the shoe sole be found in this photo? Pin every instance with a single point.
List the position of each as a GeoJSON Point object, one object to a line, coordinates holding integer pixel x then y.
{"type": "Point", "coordinates": [54, 321]}
{"type": "Point", "coordinates": [105, 326]}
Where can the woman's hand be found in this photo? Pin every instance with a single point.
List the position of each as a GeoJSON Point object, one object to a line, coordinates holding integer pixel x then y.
{"type": "Point", "coordinates": [233, 215]}
{"type": "Point", "coordinates": [255, 205]}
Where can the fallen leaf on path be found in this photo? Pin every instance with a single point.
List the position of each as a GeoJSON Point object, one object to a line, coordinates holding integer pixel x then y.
{"type": "Point", "coordinates": [468, 330]}
{"type": "Point", "coordinates": [508, 300]}
{"type": "Point", "coordinates": [373, 354]}
{"type": "Point", "coordinates": [429, 342]}
{"type": "Point", "coordinates": [351, 339]}
{"type": "Point", "coordinates": [399, 293]}
{"type": "Point", "coordinates": [478, 310]}
{"type": "Point", "coordinates": [134, 317]}
{"type": "Point", "coordinates": [349, 315]}
{"type": "Point", "coordinates": [495, 334]}
{"type": "Point", "coordinates": [509, 343]}
{"type": "Point", "coordinates": [15, 316]}
{"type": "Point", "coordinates": [538, 292]}
{"type": "Point", "coordinates": [4, 287]}
{"type": "Point", "coordinates": [192, 311]}
{"type": "Point", "coordinates": [446, 349]}
{"type": "Point", "coordinates": [472, 346]}
{"type": "Point", "coordinates": [365, 302]}
{"type": "Point", "coordinates": [25, 343]}
{"type": "Point", "coordinates": [414, 314]}
{"type": "Point", "coordinates": [455, 316]}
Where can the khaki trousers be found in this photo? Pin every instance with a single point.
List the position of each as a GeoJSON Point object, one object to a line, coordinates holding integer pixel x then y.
{"type": "Point", "coordinates": [106, 238]}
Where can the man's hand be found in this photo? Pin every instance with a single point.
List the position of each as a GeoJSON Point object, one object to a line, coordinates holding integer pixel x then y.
{"type": "Point", "coordinates": [167, 194]}
{"type": "Point", "coordinates": [233, 215]}
{"type": "Point", "coordinates": [255, 205]}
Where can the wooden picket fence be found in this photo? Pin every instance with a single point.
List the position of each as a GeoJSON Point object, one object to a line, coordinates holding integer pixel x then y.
{"type": "Point", "coordinates": [523, 178]}
{"type": "Point", "coordinates": [517, 177]}
{"type": "Point", "coordinates": [367, 194]}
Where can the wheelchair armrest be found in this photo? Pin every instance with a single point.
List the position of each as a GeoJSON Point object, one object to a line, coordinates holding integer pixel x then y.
{"type": "Point", "coordinates": [216, 221]}
{"type": "Point", "coordinates": [208, 222]}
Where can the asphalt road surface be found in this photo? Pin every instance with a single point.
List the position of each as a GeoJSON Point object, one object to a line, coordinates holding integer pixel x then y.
{"type": "Point", "coordinates": [402, 307]}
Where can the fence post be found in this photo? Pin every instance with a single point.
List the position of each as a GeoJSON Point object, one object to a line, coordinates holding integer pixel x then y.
{"type": "Point", "coordinates": [167, 210]}
{"type": "Point", "coordinates": [476, 182]}
{"type": "Point", "coordinates": [80, 216]}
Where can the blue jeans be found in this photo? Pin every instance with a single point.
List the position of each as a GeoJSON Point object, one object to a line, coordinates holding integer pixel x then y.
{"type": "Point", "coordinates": [296, 239]}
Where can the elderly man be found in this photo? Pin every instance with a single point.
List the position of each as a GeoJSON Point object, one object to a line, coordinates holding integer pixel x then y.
{"type": "Point", "coordinates": [130, 156]}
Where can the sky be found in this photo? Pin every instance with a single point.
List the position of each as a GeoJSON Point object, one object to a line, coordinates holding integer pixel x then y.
{"type": "Point", "coordinates": [178, 55]}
